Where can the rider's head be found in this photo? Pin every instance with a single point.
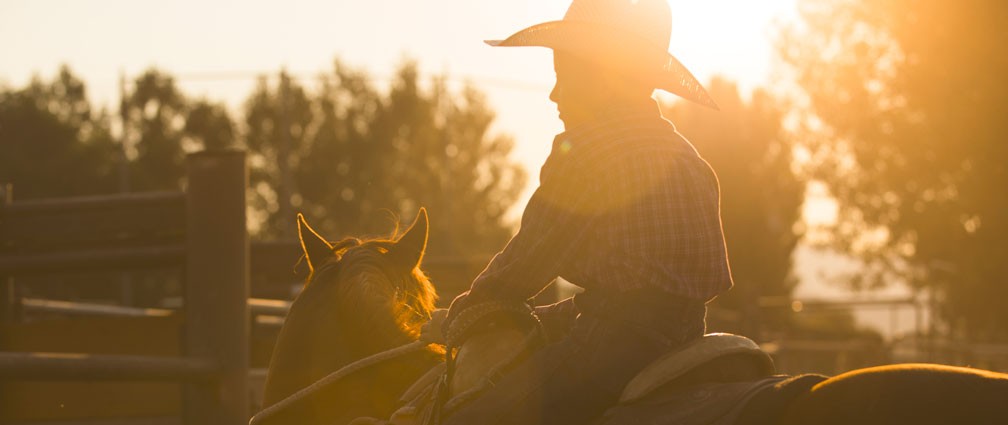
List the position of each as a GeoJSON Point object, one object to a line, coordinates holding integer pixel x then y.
{"type": "Point", "coordinates": [609, 51]}
{"type": "Point", "coordinates": [586, 90]}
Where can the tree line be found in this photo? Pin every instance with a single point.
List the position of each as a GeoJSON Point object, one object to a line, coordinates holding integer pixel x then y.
{"type": "Point", "coordinates": [351, 156]}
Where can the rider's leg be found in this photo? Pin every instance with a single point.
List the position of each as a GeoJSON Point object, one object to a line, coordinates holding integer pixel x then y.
{"type": "Point", "coordinates": [578, 378]}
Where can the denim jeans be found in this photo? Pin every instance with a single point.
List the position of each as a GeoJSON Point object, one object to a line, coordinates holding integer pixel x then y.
{"type": "Point", "coordinates": [575, 379]}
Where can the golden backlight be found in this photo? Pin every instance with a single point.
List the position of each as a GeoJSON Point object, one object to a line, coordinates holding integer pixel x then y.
{"type": "Point", "coordinates": [728, 38]}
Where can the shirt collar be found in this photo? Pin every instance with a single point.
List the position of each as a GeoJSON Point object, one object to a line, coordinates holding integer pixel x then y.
{"type": "Point", "coordinates": [614, 115]}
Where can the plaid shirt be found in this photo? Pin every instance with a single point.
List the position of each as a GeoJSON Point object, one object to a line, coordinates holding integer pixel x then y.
{"type": "Point", "coordinates": [623, 203]}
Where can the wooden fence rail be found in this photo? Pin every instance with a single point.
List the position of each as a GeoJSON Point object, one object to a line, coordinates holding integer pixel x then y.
{"type": "Point", "coordinates": [257, 307]}
{"type": "Point", "coordinates": [88, 367]}
{"type": "Point", "coordinates": [202, 230]}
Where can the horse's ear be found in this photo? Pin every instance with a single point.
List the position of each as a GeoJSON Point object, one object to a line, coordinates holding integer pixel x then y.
{"type": "Point", "coordinates": [316, 248]}
{"type": "Point", "coordinates": [409, 249]}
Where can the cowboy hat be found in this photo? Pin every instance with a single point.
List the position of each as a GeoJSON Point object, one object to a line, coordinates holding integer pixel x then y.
{"type": "Point", "coordinates": [631, 36]}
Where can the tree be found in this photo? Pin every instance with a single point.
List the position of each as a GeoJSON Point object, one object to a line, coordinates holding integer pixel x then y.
{"type": "Point", "coordinates": [346, 173]}
{"type": "Point", "coordinates": [162, 125]}
{"type": "Point", "coordinates": [351, 153]}
{"type": "Point", "coordinates": [761, 197]}
{"type": "Point", "coordinates": [907, 129]}
{"type": "Point", "coordinates": [51, 141]}
{"type": "Point", "coordinates": [277, 122]}
{"type": "Point", "coordinates": [445, 160]}
{"type": "Point", "coordinates": [155, 115]}
{"type": "Point", "coordinates": [209, 126]}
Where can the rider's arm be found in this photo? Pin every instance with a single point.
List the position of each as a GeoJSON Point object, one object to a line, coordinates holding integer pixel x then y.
{"type": "Point", "coordinates": [554, 225]}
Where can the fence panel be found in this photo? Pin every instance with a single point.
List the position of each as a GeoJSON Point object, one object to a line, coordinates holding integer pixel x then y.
{"type": "Point", "coordinates": [204, 230]}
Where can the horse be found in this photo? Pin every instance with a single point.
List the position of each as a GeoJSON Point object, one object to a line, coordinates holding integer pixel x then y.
{"type": "Point", "coordinates": [364, 299]}
{"type": "Point", "coordinates": [361, 297]}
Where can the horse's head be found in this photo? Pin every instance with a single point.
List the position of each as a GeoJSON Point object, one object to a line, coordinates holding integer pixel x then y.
{"type": "Point", "coordinates": [361, 297]}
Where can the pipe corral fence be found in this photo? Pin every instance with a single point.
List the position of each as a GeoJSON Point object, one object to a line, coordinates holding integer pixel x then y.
{"type": "Point", "coordinates": [202, 231]}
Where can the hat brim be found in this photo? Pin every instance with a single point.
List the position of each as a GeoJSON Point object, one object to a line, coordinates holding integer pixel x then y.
{"type": "Point", "coordinates": [617, 49]}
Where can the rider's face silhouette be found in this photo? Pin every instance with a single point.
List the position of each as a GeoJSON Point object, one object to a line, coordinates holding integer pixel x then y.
{"type": "Point", "coordinates": [584, 90]}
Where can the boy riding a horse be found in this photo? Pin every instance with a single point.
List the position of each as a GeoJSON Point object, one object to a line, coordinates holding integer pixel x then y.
{"type": "Point", "coordinates": [626, 209]}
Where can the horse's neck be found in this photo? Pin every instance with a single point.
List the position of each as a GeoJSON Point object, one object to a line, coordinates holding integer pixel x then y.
{"type": "Point", "coordinates": [373, 340]}
{"type": "Point", "coordinates": [298, 366]}
{"type": "Point", "coordinates": [369, 392]}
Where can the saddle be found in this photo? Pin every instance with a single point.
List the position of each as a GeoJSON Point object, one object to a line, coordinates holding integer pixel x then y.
{"type": "Point", "coordinates": [707, 382]}
{"type": "Point", "coordinates": [718, 357]}
{"type": "Point", "coordinates": [700, 383]}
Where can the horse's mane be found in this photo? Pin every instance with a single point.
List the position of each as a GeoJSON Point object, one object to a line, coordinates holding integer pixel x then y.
{"type": "Point", "coordinates": [384, 301]}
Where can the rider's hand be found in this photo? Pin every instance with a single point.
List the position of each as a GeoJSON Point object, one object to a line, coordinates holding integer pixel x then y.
{"type": "Point", "coordinates": [461, 302]}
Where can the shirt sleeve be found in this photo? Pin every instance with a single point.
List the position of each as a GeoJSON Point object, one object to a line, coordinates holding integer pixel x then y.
{"type": "Point", "coordinates": [556, 222]}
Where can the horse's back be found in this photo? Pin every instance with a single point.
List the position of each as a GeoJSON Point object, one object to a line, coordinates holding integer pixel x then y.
{"type": "Point", "coordinates": [908, 393]}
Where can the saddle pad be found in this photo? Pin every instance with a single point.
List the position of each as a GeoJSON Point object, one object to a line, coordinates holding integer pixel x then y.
{"type": "Point", "coordinates": [676, 363]}
{"type": "Point", "coordinates": [707, 404]}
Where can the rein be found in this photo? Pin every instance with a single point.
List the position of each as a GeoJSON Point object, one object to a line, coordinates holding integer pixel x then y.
{"type": "Point", "coordinates": [336, 376]}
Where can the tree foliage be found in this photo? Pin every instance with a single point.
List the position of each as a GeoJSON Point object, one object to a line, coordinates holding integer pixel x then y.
{"type": "Point", "coordinates": [162, 125]}
{"type": "Point", "coordinates": [52, 142]}
{"type": "Point", "coordinates": [908, 131]}
{"type": "Point", "coordinates": [350, 155]}
{"type": "Point", "coordinates": [209, 125]}
{"type": "Point", "coordinates": [761, 197]}
{"type": "Point", "coordinates": [278, 123]}
{"type": "Point", "coordinates": [353, 152]}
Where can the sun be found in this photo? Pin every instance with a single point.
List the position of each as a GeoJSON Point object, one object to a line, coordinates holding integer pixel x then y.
{"type": "Point", "coordinates": [719, 22]}
{"type": "Point", "coordinates": [547, 9]}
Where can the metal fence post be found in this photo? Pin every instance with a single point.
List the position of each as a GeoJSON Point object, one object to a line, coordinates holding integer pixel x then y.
{"type": "Point", "coordinates": [216, 286]}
